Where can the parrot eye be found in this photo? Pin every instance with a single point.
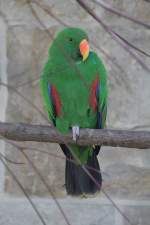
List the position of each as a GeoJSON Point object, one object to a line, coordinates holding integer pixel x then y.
{"type": "Point", "coordinates": [70, 39]}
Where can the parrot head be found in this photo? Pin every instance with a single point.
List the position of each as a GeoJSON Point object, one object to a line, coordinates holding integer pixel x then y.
{"type": "Point", "coordinates": [71, 42]}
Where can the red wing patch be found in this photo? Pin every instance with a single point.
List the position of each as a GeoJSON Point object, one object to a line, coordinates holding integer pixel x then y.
{"type": "Point", "coordinates": [56, 100]}
{"type": "Point", "coordinates": [93, 97]}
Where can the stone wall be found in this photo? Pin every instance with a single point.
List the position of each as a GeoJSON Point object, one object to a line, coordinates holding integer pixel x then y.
{"type": "Point", "coordinates": [3, 91]}
{"type": "Point", "coordinates": [129, 93]}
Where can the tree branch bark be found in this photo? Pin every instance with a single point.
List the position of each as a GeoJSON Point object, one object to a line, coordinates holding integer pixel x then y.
{"type": "Point", "coordinates": [106, 137]}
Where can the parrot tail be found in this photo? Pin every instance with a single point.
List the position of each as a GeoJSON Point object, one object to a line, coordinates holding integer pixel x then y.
{"type": "Point", "coordinates": [77, 182]}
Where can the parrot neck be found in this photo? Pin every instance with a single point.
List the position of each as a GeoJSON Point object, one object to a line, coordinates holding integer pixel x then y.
{"type": "Point", "coordinates": [63, 57]}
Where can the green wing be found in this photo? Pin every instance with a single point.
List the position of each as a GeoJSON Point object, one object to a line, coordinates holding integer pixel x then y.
{"type": "Point", "coordinates": [102, 93]}
{"type": "Point", "coordinates": [45, 89]}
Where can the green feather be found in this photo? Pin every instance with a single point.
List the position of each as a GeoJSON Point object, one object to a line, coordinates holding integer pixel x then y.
{"type": "Point", "coordinates": [73, 78]}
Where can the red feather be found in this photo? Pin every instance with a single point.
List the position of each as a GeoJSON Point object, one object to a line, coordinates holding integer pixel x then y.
{"type": "Point", "coordinates": [56, 101]}
{"type": "Point", "coordinates": [93, 99]}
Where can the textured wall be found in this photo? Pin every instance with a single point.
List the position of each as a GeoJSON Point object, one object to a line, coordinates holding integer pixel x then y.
{"type": "Point", "coordinates": [3, 91]}
{"type": "Point", "coordinates": [129, 93]}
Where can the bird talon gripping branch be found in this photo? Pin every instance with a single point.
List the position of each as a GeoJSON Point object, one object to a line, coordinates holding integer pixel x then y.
{"type": "Point", "coordinates": [75, 133]}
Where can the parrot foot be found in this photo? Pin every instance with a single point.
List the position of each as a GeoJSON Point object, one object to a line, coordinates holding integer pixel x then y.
{"type": "Point", "coordinates": [75, 132]}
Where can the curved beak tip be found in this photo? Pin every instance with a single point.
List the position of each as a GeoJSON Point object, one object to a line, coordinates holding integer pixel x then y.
{"type": "Point", "coordinates": [84, 49]}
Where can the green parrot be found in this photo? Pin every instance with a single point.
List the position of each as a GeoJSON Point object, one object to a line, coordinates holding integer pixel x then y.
{"type": "Point", "coordinates": [74, 89]}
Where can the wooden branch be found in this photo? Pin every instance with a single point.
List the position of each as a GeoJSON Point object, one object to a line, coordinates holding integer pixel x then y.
{"type": "Point", "coordinates": [39, 133]}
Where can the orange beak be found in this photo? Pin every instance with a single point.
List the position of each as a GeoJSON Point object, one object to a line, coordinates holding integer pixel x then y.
{"type": "Point", "coordinates": [84, 49]}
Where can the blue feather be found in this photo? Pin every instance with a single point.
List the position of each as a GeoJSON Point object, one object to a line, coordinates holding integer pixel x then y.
{"type": "Point", "coordinates": [99, 120]}
{"type": "Point", "coordinates": [49, 90]}
{"type": "Point", "coordinates": [99, 114]}
{"type": "Point", "coordinates": [51, 99]}
{"type": "Point", "coordinates": [97, 93]}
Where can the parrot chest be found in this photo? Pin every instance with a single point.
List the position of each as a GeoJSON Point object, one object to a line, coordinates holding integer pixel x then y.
{"type": "Point", "coordinates": [74, 94]}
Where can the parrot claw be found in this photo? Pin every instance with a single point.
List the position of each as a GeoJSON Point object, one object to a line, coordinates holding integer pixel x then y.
{"type": "Point", "coordinates": [75, 132]}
